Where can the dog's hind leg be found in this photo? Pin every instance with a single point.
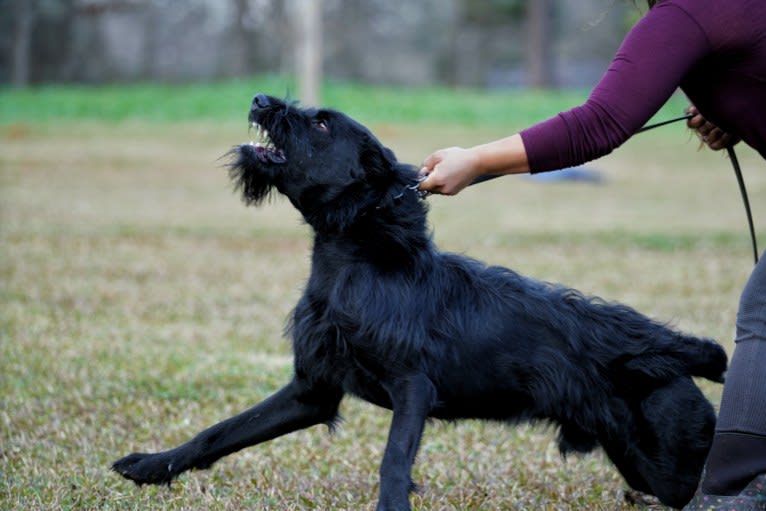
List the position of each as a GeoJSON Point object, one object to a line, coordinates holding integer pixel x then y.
{"type": "Point", "coordinates": [661, 447]}
{"type": "Point", "coordinates": [296, 406]}
{"type": "Point", "coordinates": [629, 462]}
{"type": "Point", "coordinates": [681, 421]}
{"type": "Point", "coordinates": [412, 399]}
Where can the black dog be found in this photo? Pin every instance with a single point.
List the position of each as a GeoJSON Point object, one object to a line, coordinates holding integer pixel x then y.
{"type": "Point", "coordinates": [388, 318]}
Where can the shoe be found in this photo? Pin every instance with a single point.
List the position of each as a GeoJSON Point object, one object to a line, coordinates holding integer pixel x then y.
{"type": "Point", "coordinates": [752, 498]}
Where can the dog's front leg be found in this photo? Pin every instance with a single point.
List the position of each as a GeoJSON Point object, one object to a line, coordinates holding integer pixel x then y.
{"type": "Point", "coordinates": [412, 399]}
{"type": "Point", "coordinates": [296, 406]}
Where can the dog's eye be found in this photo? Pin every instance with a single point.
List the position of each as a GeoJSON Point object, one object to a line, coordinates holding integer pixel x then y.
{"type": "Point", "coordinates": [320, 124]}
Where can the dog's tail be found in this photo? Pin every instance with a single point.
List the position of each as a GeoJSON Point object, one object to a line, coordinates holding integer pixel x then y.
{"type": "Point", "coordinates": [655, 350]}
{"type": "Point", "coordinates": [695, 356]}
{"type": "Point", "coordinates": [704, 357]}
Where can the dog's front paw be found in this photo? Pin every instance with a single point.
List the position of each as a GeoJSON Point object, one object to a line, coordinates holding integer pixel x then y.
{"type": "Point", "coordinates": [402, 506]}
{"type": "Point", "coordinates": [401, 503]}
{"type": "Point", "coordinates": [142, 468]}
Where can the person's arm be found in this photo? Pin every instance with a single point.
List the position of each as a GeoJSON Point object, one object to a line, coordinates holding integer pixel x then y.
{"type": "Point", "coordinates": [449, 170]}
{"type": "Point", "coordinates": [647, 69]}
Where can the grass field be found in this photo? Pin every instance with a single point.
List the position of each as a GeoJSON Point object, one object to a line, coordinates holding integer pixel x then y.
{"type": "Point", "coordinates": [140, 301]}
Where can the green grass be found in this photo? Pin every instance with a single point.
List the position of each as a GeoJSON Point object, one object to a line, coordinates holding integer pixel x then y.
{"type": "Point", "coordinates": [227, 100]}
{"type": "Point", "coordinates": [140, 301]}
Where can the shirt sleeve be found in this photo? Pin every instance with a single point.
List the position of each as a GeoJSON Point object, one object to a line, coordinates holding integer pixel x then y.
{"type": "Point", "coordinates": [655, 55]}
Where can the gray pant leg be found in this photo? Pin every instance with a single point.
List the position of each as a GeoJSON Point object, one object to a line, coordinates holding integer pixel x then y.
{"type": "Point", "coordinates": [738, 452]}
{"type": "Point", "coordinates": [743, 406]}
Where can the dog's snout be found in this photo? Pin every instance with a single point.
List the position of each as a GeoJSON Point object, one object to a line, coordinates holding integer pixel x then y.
{"type": "Point", "coordinates": [260, 101]}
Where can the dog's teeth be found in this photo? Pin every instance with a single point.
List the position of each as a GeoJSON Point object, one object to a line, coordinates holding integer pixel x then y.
{"type": "Point", "coordinates": [262, 138]}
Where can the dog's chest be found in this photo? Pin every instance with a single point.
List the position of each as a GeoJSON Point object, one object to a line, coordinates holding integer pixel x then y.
{"type": "Point", "coordinates": [365, 385]}
{"type": "Point", "coordinates": [341, 366]}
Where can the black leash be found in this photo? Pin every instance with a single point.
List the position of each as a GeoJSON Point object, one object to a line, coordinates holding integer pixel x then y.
{"type": "Point", "coordinates": [663, 123]}
{"type": "Point", "coordinates": [737, 173]}
{"type": "Point", "coordinates": [745, 200]}
{"type": "Point", "coordinates": [734, 163]}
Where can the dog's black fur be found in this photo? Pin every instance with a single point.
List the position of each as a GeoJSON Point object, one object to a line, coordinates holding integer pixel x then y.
{"type": "Point", "coordinates": [388, 318]}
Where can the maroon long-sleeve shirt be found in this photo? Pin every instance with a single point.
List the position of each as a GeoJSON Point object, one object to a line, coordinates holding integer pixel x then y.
{"type": "Point", "coordinates": [715, 50]}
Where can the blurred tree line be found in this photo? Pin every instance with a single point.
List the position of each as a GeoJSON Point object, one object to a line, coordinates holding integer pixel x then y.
{"type": "Point", "coordinates": [485, 43]}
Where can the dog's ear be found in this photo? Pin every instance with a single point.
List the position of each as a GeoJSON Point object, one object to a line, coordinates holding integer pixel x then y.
{"type": "Point", "coordinates": [376, 159]}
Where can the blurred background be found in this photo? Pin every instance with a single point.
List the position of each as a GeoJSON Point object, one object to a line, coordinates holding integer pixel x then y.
{"type": "Point", "coordinates": [487, 43]}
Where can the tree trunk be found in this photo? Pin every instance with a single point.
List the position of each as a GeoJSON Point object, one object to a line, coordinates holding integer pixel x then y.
{"type": "Point", "coordinates": [241, 41]}
{"type": "Point", "coordinates": [22, 42]}
{"type": "Point", "coordinates": [538, 47]}
{"type": "Point", "coordinates": [308, 39]}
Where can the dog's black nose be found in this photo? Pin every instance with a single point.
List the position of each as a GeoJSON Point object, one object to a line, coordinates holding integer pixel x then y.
{"type": "Point", "coordinates": [260, 101]}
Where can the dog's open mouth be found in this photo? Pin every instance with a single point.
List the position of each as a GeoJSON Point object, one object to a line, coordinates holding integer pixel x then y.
{"type": "Point", "coordinates": [264, 148]}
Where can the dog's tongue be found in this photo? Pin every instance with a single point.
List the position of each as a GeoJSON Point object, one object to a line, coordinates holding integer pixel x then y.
{"type": "Point", "coordinates": [269, 156]}
{"type": "Point", "coordinates": [276, 157]}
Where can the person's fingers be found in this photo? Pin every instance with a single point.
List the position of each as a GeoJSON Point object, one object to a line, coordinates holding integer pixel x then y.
{"type": "Point", "coordinates": [719, 139]}
{"type": "Point", "coordinates": [429, 171]}
{"type": "Point", "coordinates": [448, 171]}
{"type": "Point", "coordinates": [716, 135]}
{"type": "Point", "coordinates": [437, 182]}
{"type": "Point", "coordinates": [428, 183]}
{"type": "Point", "coordinates": [433, 184]}
{"type": "Point", "coordinates": [430, 162]}
{"type": "Point", "coordinates": [695, 118]}
{"type": "Point", "coordinates": [695, 122]}
{"type": "Point", "coordinates": [706, 129]}
{"type": "Point", "coordinates": [714, 138]}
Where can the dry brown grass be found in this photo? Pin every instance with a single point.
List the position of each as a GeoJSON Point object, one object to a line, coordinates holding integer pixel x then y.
{"type": "Point", "coordinates": [140, 302]}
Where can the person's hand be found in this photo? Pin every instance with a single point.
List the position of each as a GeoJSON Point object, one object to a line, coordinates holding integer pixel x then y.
{"type": "Point", "coordinates": [708, 132]}
{"type": "Point", "coordinates": [447, 171]}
